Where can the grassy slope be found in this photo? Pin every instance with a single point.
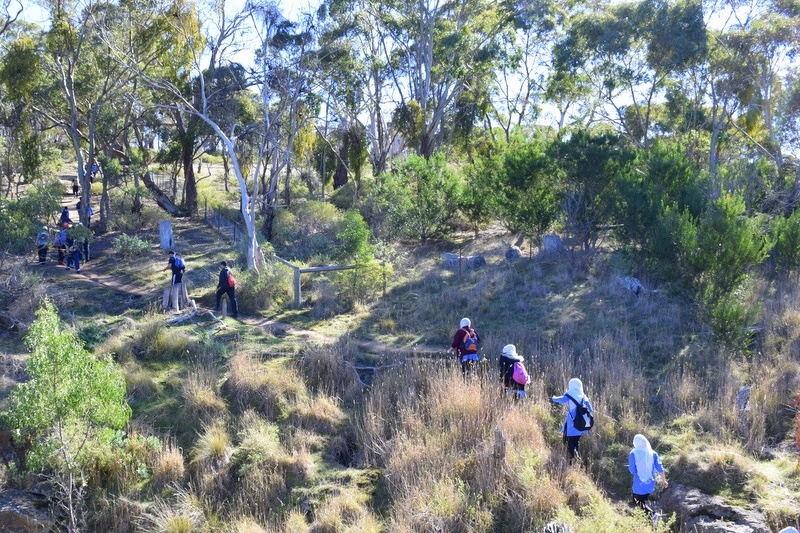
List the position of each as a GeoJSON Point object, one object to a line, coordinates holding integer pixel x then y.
{"type": "Point", "coordinates": [222, 395]}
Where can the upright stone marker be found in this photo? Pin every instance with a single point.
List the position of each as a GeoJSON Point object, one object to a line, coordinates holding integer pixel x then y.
{"type": "Point", "coordinates": [165, 230]}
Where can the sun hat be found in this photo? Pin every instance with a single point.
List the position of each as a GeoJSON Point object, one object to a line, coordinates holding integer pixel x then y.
{"type": "Point", "coordinates": [465, 323]}
{"type": "Point", "coordinates": [510, 352]}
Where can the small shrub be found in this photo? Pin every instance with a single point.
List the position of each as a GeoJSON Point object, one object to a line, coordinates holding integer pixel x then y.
{"type": "Point", "coordinates": [201, 398]}
{"type": "Point", "coordinates": [128, 246]}
{"type": "Point", "coordinates": [263, 290]}
{"type": "Point", "coordinates": [183, 516]}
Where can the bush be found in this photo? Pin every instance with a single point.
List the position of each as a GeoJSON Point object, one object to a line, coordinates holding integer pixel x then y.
{"type": "Point", "coordinates": [308, 230]}
{"type": "Point", "coordinates": [130, 245]}
{"type": "Point", "coordinates": [270, 287]}
{"type": "Point", "coordinates": [786, 235]}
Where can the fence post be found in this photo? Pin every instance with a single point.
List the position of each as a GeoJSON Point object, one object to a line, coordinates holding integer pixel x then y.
{"type": "Point", "coordinates": [297, 287]}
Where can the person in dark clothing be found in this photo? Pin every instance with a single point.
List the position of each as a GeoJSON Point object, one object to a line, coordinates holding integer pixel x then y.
{"type": "Point", "coordinates": [65, 215]}
{"type": "Point", "coordinates": [466, 342]}
{"type": "Point", "coordinates": [61, 242]}
{"type": "Point", "coordinates": [506, 366]}
{"type": "Point", "coordinates": [75, 187]}
{"type": "Point", "coordinates": [178, 267]}
{"type": "Point", "coordinates": [223, 287]}
{"type": "Point", "coordinates": [42, 244]}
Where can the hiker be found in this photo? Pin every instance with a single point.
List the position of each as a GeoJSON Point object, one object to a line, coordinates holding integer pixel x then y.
{"type": "Point", "coordinates": [61, 242]}
{"type": "Point", "coordinates": [177, 266]}
{"type": "Point", "coordinates": [573, 397]}
{"type": "Point", "coordinates": [647, 470]}
{"type": "Point", "coordinates": [74, 251]}
{"type": "Point", "coordinates": [466, 342]}
{"type": "Point", "coordinates": [75, 187]}
{"type": "Point", "coordinates": [65, 215]}
{"type": "Point", "coordinates": [42, 242]}
{"type": "Point", "coordinates": [513, 375]}
{"type": "Point", "coordinates": [227, 285]}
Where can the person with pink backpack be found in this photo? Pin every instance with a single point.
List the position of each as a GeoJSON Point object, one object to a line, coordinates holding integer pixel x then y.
{"type": "Point", "coordinates": [513, 374]}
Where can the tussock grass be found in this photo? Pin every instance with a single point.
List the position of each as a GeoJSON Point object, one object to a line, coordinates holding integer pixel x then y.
{"type": "Point", "coordinates": [201, 396]}
{"type": "Point", "coordinates": [182, 515]}
{"type": "Point", "coordinates": [139, 382]}
{"type": "Point", "coordinates": [245, 525]}
{"type": "Point", "coordinates": [169, 466]}
{"type": "Point", "coordinates": [118, 514]}
{"type": "Point", "coordinates": [329, 370]}
{"type": "Point", "coordinates": [345, 511]}
{"type": "Point", "coordinates": [270, 387]}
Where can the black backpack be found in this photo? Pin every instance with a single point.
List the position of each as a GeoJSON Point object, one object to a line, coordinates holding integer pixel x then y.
{"type": "Point", "coordinates": [583, 419]}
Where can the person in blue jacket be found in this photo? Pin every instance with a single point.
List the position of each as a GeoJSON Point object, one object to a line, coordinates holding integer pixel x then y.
{"type": "Point", "coordinates": [574, 395]}
{"type": "Point", "coordinates": [645, 465]}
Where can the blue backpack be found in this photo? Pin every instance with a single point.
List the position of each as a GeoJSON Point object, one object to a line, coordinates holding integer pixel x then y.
{"type": "Point", "coordinates": [179, 262]}
{"type": "Point", "coordinates": [470, 342]}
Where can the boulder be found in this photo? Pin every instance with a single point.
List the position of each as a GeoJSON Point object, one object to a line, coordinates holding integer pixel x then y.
{"type": "Point", "coordinates": [452, 261]}
{"type": "Point", "coordinates": [24, 512]}
{"type": "Point", "coordinates": [552, 244]}
{"type": "Point", "coordinates": [513, 253]}
{"type": "Point", "coordinates": [702, 513]}
{"type": "Point", "coordinates": [631, 284]}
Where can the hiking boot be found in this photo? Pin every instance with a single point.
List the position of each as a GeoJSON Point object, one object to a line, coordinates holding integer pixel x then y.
{"type": "Point", "coordinates": [77, 270]}
{"type": "Point", "coordinates": [656, 518]}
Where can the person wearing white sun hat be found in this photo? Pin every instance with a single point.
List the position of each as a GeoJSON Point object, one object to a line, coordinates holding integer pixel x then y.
{"type": "Point", "coordinates": [466, 343]}
{"type": "Point", "coordinates": [513, 375]}
{"type": "Point", "coordinates": [645, 465]}
{"type": "Point", "coordinates": [573, 397]}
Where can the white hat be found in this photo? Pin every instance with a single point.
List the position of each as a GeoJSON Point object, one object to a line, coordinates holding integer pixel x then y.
{"type": "Point", "coordinates": [510, 352]}
{"type": "Point", "coordinates": [44, 228]}
{"type": "Point", "coordinates": [788, 530]}
{"type": "Point", "coordinates": [465, 323]}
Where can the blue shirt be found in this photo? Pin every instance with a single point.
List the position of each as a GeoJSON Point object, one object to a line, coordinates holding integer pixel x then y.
{"type": "Point", "coordinates": [569, 423]}
{"type": "Point", "coordinates": [640, 487]}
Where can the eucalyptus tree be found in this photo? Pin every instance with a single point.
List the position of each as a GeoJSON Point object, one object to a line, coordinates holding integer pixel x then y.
{"type": "Point", "coordinates": [438, 52]}
{"type": "Point", "coordinates": [625, 54]}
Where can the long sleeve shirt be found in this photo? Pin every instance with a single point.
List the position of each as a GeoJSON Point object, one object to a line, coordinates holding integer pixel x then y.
{"type": "Point", "coordinates": [640, 487]}
{"type": "Point", "coordinates": [569, 422]}
{"type": "Point", "coordinates": [223, 279]}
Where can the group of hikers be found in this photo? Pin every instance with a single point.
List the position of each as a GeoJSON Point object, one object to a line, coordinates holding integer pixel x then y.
{"type": "Point", "coordinates": [644, 463]}
{"type": "Point", "coordinates": [70, 242]}
{"type": "Point", "coordinates": [226, 284]}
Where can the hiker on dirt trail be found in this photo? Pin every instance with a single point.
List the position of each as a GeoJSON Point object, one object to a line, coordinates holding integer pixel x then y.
{"type": "Point", "coordinates": [76, 246]}
{"type": "Point", "coordinates": [61, 242]}
{"type": "Point", "coordinates": [513, 374]}
{"type": "Point", "coordinates": [65, 215]}
{"type": "Point", "coordinates": [177, 266]}
{"type": "Point", "coordinates": [573, 397]}
{"type": "Point", "coordinates": [647, 470]}
{"type": "Point", "coordinates": [227, 285]}
{"type": "Point", "coordinates": [42, 242]}
{"type": "Point", "coordinates": [466, 342]}
{"type": "Point", "coordinates": [75, 187]}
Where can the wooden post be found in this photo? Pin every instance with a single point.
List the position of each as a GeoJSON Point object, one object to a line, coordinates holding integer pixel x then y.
{"type": "Point", "coordinates": [174, 291]}
{"type": "Point", "coordinates": [297, 297]}
{"type": "Point", "coordinates": [165, 232]}
{"type": "Point", "coordinates": [499, 446]}
{"type": "Point", "coordinates": [165, 299]}
{"type": "Point", "coordinates": [224, 308]}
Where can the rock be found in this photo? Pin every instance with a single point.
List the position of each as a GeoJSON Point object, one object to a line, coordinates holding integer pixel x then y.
{"type": "Point", "coordinates": [513, 253]}
{"type": "Point", "coordinates": [552, 244]}
{"type": "Point", "coordinates": [452, 261]}
{"type": "Point", "coordinates": [23, 512]}
{"type": "Point", "coordinates": [631, 284]}
{"type": "Point", "coordinates": [702, 513]}
{"type": "Point", "coordinates": [557, 527]}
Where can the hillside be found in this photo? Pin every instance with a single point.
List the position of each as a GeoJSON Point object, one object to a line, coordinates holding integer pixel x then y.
{"type": "Point", "coordinates": [264, 424]}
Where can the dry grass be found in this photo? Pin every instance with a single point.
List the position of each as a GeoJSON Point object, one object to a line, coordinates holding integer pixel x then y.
{"type": "Point", "coordinates": [245, 525]}
{"type": "Point", "coordinates": [183, 515]}
{"type": "Point", "coordinates": [269, 387]}
{"type": "Point", "coordinates": [168, 466]}
{"type": "Point", "coordinates": [329, 370]}
{"type": "Point", "coordinates": [345, 511]}
{"type": "Point", "coordinates": [201, 396]}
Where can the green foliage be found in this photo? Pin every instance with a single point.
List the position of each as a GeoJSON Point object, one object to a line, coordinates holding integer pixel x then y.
{"type": "Point", "coordinates": [420, 196]}
{"type": "Point", "coordinates": [308, 230]}
{"type": "Point", "coordinates": [263, 290]}
{"type": "Point", "coordinates": [591, 164]}
{"type": "Point", "coordinates": [529, 191]}
{"type": "Point", "coordinates": [478, 198]}
{"type": "Point", "coordinates": [785, 231]}
{"type": "Point", "coordinates": [130, 245]}
{"type": "Point", "coordinates": [731, 317]}
{"type": "Point", "coordinates": [72, 400]}
{"type": "Point", "coordinates": [729, 246]}
{"type": "Point", "coordinates": [20, 219]}
{"type": "Point", "coordinates": [353, 238]}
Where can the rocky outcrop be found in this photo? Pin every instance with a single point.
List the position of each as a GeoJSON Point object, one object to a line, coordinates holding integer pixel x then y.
{"type": "Point", "coordinates": [701, 513]}
{"type": "Point", "coordinates": [454, 260]}
{"type": "Point", "coordinates": [24, 512]}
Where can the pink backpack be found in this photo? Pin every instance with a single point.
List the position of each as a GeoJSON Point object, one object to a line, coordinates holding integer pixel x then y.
{"type": "Point", "coordinates": [520, 375]}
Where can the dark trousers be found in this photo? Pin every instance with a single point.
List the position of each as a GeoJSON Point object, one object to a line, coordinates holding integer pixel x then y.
{"type": "Point", "coordinates": [61, 252]}
{"type": "Point", "coordinates": [231, 292]}
{"type": "Point", "coordinates": [468, 367]}
{"type": "Point", "coordinates": [177, 277]}
{"type": "Point", "coordinates": [641, 501]}
{"type": "Point", "coordinates": [572, 446]}
{"type": "Point", "coordinates": [43, 254]}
